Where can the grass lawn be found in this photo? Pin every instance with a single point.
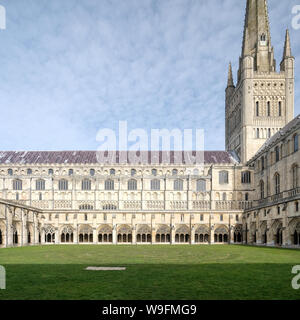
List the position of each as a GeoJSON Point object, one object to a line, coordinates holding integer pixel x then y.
{"type": "Point", "coordinates": [153, 272]}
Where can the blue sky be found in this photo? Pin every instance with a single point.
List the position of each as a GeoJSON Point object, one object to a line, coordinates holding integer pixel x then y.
{"type": "Point", "coordinates": [71, 67]}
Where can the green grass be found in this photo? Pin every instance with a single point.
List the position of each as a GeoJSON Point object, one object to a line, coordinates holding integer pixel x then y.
{"type": "Point", "coordinates": [153, 272]}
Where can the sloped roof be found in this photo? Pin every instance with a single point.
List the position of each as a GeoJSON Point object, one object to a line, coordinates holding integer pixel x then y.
{"type": "Point", "coordinates": [92, 157]}
{"type": "Point", "coordinates": [278, 136]}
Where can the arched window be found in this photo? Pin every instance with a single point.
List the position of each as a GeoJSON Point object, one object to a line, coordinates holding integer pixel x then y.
{"type": "Point", "coordinates": [50, 172]}
{"type": "Point", "coordinates": [154, 172]}
{"type": "Point", "coordinates": [247, 197]}
{"type": "Point", "coordinates": [201, 185]}
{"type": "Point", "coordinates": [269, 108]}
{"type": "Point", "coordinates": [223, 177]}
{"type": "Point", "coordinates": [109, 185]}
{"type": "Point", "coordinates": [269, 133]}
{"type": "Point", "coordinates": [224, 196]}
{"type": "Point", "coordinates": [133, 172]}
{"type": "Point", "coordinates": [277, 183]}
{"type": "Point", "coordinates": [262, 189]}
{"type": "Point", "coordinates": [296, 142]}
{"type": "Point", "coordinates": [29, 171]}
{"type": "Point", "coordinates": [155, 184]}
{"type": "Point", "coordinates": [295, 176]}
{"type": "Point", "coordinates": [71, 172]}
{"type": "Point", "coordinates": [277, 154]}
{"type": "Point", "coordinates": [17, 184]}
{"type": "Point", "coordinates": [63, 184]}
{"type": "Point", "coordinates": [279, 109]}
{"type": "Point", "coordinates": [263, 163]}
{"type": "Point", "coordinates": [178, 185]}
{"type": "Point", "coordinates": [92, 172]}
{"type": "Point", "coordinates": [132, 184]}
{"type": "Point", "coordinates": [246, 177]}
{"type": "Point", "coordinates": [10, 172]}
{"type": "Point", "coordinates": [263, 37]}
{"type": "Point", "coordinates": [86, 185]}
{"type": "Point", "coordinates": [112, 172]}
{"type": "Point", "coordinates": [40, 185]}
{"type": "Point", "coordinates": [40, 196]}
{"type": "Point", "coordinates": [174, 172]}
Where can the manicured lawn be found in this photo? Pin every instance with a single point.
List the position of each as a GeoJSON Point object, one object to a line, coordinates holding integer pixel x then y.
{"type": "Point", "coordinates": [153, 272]}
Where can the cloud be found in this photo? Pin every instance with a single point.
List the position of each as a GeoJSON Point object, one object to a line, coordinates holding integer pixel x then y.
{"type": "Point", "coordinates": [70, 68]}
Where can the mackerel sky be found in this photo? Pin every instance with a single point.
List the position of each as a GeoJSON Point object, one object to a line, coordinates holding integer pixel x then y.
{"type": "Point", "coordinates": [71, 67]}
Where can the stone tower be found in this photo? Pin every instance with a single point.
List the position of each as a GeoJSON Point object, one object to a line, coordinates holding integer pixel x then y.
{"type": "Point", "coordinates": [262, 101]}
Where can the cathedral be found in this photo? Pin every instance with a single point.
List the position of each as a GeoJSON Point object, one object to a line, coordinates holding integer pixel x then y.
{"type": "Point", "coordinates": [248, 194]}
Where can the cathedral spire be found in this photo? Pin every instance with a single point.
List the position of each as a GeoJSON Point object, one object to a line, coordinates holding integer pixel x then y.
{"type": "Point", "coordinates": [256, 27]}
{"type": "Point", "coordinates": [230, 77]}
{"type": "Point", "coordinates": [287, 52]}
{"type": "Point", "coordinates": [257, 38]}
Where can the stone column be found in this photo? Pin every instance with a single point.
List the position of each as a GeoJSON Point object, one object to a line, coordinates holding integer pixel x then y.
{"type": "Point", "coordinates": [134, 233]}
{"type": "Point", "coordinates": [270, 241]}
{"type": "Point", "coordinates": [95, 238]}
{"type": "Point", "coordinates": [42, 235]}
{"type": "Point", "coordinates": [114, 233]}
{"type": "Point", "coordinates": [75, 232]}
{"type": "Point", "coordinates": [24, 240]}
{"type": "Point", "coordinates": [286, 239]}
{"type": "Point", "coordinates": [57, 236]}
{"type": "Point", "coordinates": [9, 226]}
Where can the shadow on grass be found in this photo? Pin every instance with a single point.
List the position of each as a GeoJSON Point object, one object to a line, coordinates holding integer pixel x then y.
{"type": "Point", "coordinates": [150, 282]}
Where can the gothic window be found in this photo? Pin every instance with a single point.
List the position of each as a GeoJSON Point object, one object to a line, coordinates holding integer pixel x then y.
{"type": "Point", "coordinates": [269, 108]}
{"type": "Point", "coordinates": [262, 189]}
{"type": "Point", "coordinates": [10, 172]}
{"type": "Point", "coordinates": [247, 197]}
{"type": "Point", "coordinates": [109, 185]}
{"type": "Point", "coordinates": [246, 177]}
{"type": "Point", "coordinates": [40, 185]}
{"type": "Point", "coordinates": [17, 184]}
{"type": "Point", "coordinates": [178, 185]}
{"type": "Point", "coordinates": [92, 172]}
{"type": "Point", "coordinates": [63, 184]}
{"type": "Point", "coordinates": [29, 171]}
{"type": "Point", "coordinates": [86, 185]}
{"type": "Point", "coordinates": [263, 37]}
{"type": "Point", "coordinates": [277, 183]}
{"type": "Point", "coordinates": [132, 184]}
{"type": "Point", "coordinates": [223, 177]}
{"type": "Point", "coordinates": [155, 184]}
{"type": "Point", "coordinates": [201, 185]}
{"type": "Point", "coordinates": [295, 176]}
{"type": "Point", "coordinates": [296, 142]}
